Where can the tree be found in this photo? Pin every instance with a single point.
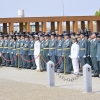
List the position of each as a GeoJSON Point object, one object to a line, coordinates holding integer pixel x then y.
{"type": "Point", "coordinates": [97, 13]}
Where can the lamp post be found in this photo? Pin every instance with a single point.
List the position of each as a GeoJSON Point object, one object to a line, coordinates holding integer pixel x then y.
{"type": "Point", "coordinates": [63, 7]}
{"type": "Point", "coordinates": [63, 11]}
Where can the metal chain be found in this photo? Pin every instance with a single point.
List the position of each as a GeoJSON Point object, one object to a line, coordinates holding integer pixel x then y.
{"type": "Point", "coordinates": [68, 79]}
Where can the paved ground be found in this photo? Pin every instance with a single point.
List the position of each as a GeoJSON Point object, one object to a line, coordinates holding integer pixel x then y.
{"type": "Point", "coordinates": [31, 85]}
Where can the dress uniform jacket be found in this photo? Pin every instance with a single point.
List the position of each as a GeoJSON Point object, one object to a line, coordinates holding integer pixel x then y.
{"type": "Point", "coordinates": [74, 57]}
{"type": "Point", "coordinates": [26, 55]}
{"type": "Point", "coordinates": [83, 49]}
{"type": "Point", "coordinates": [98, 52]}
{"type": "Point", "coordinates": [53, 51]}
{"type": "Point", "coordinates": [46, 47]}
{"type": "Point", "coordinates": [31, 54]}
{"type": "Point", "coordinates": [59, 54]}
{"type": "Point", "coordinates": [42, 54]}
{"type": "Point", "coordinates": [1, 45]}
{"type": "Point", "coordinates": [9, 54]}
{"type": "Point", "coordinates": [93, 54]}
{"type": "Point", "coordinates": [21, 51]}
{"type": "Point", "coordinates": [1, 48]}
{"type": "Point", "coordinates": [14, 63]}
{"type": "Point", "coordinates": [59, 47]}
{"type": "Point", "coordinates": [88, 59]}
{"type": "Point", "coordinates": [53, 47]}
{"type": "Point", "coordinates": [18, 46]}
{"type": "Point", "coordinates": [21, 45]}
{"type": "Point", "coordinates": [37, 53]}
{"type": "Point", "coordinates": [66, 52]}
{"type": "Point", "coordinates": [4, 51]}
{"type": "Point", "coordinates": [46, 51]}
{"type": "Point", "coordinates": [98, 57]}
{"type": "Point", "coordinates": [5, 48]}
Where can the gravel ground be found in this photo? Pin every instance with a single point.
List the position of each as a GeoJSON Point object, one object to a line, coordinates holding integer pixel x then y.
{"type": "Point", "coordinates": [14, 90]}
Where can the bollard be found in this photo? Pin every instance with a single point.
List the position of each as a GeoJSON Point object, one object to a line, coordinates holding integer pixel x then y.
{"type": "Point", "coordinates": [87, 80]}
{"type": "Point", "coordinates": [50, 74]}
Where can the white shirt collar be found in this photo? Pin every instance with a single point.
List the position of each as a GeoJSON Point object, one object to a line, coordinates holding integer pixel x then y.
{"type": "Point", "coordinates": [94, 39]}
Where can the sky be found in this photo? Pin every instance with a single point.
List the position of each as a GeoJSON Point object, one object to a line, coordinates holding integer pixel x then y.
{"type": "Point", "coordinates": [39, 8]}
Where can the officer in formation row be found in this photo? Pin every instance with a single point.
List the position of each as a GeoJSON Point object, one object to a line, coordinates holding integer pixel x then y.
{"type": "Point", "coordinates": [51, 47]}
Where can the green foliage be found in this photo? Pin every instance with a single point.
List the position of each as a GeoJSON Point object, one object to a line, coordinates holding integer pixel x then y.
{"type": "Point", "coordinates": [97, 13]}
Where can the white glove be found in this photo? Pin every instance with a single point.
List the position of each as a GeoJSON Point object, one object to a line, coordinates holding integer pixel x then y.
{"type": "Point", "coordinates": [7, 52]}
{"type": "Point", "coordinates": [48, 54]}
{"type": "Point", "coordinates": [88, 55]}
{"type": "Point", "coordinates": [69, 56]}
{"type": "Point", "coordinates": [84, 56]}
{"type": "Point", "coordinates": [11, 52]}
{"type": "Point", "coordinates": [96, 56]}
{"type": "Point", "coordinates": [78, 57]}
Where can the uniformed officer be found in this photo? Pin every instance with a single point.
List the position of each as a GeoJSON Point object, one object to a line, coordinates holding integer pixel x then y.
{"type": "Point", "coordinates": [74, 55]}
{"type": "Point", "coordinates": [59, 53]}
{"type": "Point", "coordinates": [31, 52]}
{"type": "Point", "coordinates": [4, 50]}
{"type": "Point", "coordinates": [88, 59]}
{"type": "Point", "coordinates": [17, 48]}
{"type": "Point", "coordinates": [42, 40]}
{"type": "Point", "coordinates": [93, 54]}
{"type": "Point", "coordinates": [25, 53]}
{"type": "Point", "coordinates": [37, 53]}
{"type": "Point", "coordinates": [22, 41]}
{"type": "Point", "coordinates": [13, 63]}
{"type": "Point", "coordinates": [67, 51]}
{"type": "Point", "coordinates": [1, 47]}
{"type": "Point", "coordinates": [53, 49]}
{"type": "Point", "coordinates": [98, 53]}
{"type": "Point", "coordinates": [83, 49]}
{"type": "Point", "coordinates": [9, 54]}
{"type": "Point", "coordinates": [46, 49]}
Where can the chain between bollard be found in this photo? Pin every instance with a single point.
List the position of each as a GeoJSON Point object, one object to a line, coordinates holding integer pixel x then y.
{"type": "Point", "coordinates": [68, 79]}
{"type": "Point", "coordinates": [59, 74]}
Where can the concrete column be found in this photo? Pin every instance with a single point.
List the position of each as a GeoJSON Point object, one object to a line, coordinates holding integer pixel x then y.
{"type": "Point", "coordinates": [90, 25]}
{"type": "Point", "coordinates": [82, 25]}
{"type": "Point", "coordinates": [21, 27]}
{"type": "Point", "coordinates": [68, 26]}
{"type": "Point", "coordinates": [75, 26]}
{"type": "Point", "coordinates": [27, 26]}
{"type": "Point", "coordinates": [98, 26]}
{"type": "Point", "coordinates": [59, 26]}
{"type": "Point", "coordinates": [37, 26]}
{"type": "Point", "coordinates": [44, 27]}
{"type": "Point", "coordinates": [5, 28]}
{"type": "Point", "coordinates": [52, 26]}
{"type": "Point", "coordinates": [11, 27]}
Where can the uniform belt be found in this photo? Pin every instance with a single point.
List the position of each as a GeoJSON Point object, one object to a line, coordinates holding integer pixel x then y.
{"type": "Point", "coordinates": [18, 48]}
{"type": "Point", "coordinates": [59, 49]}
{"type": "Point", "coordinates": [25, 48]}
{"type": "Point", "coordinates": [51, 48]}
{"type": "Point", "coordinates": [31, 49]}
{"type": "Point", "coordinates": [82, 48]}
{"type": "Point", "coordinates": [14, 49]}
{"type": "Point", "coordinates": [10, 47]}
{"type": "Point", "coordinates": [46, 48]}
{"type": "Point", "coordinates": [21, 47]}
{"type": "Point", "coordinates": [5, 47]}
{"type": "Point", "coordinates": [66, 48]}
